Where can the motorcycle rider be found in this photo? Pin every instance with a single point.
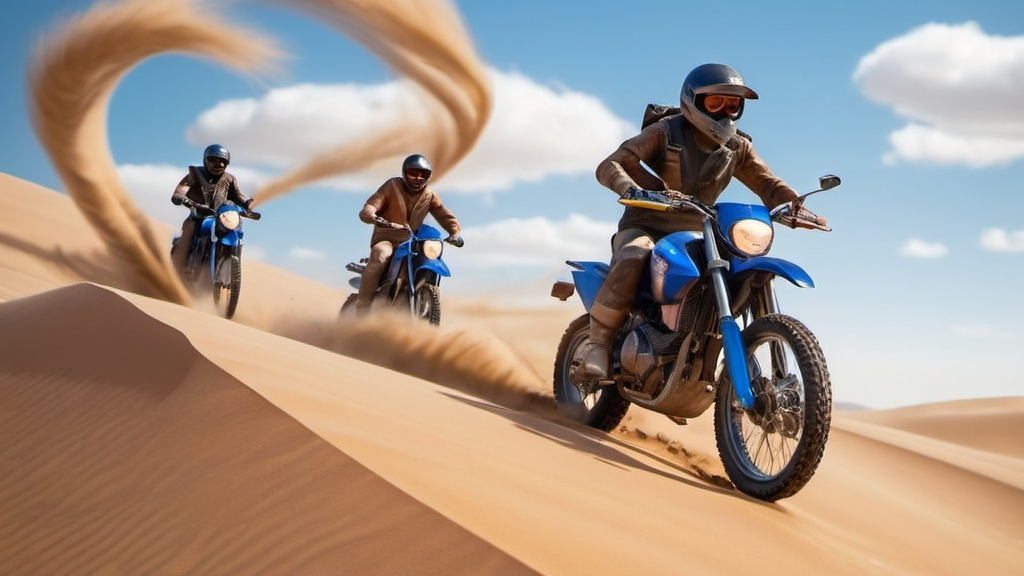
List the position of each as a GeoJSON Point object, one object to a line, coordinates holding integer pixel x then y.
{"type": "Point", "coordinates": [210, 185]}
{"type": "Point", "coordinates": [694, 152]}
{"type": "Point", "coordinates": [403, 200]}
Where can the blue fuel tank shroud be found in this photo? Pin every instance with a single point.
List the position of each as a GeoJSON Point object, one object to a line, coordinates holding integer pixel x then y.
{"type": "Point", "coordinates": [673, 268]}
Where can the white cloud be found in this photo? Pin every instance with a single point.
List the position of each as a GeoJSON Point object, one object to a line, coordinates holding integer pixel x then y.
{"type": "Point", "coordinates": [291, 124]}
{"type": "Point", "coordinates": [917, 143]}
{"type": "Point", "coordinates": [999, 240]}
{"type": "Point", "coordinates": [535, 131]}
{"type": "Point", "coordinates": [959, 88]}
{"type": "Point", "coordinates": [534, 241]}
{"type": "Point", "coordinates": [915, 248]}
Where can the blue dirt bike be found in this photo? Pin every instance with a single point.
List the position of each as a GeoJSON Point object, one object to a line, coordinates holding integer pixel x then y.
{"type": "Point", "coordinates": [682, 347]}
{"type": "Point", "coordinates": [412, 282]}
{"type": "Point", "coordinates": [217, 247]}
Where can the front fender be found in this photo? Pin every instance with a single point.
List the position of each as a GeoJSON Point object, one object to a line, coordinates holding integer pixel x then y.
{"type": "Point", "coordinates": [436, 266]}
{"type": "Point", "coordinates": [231, 238]}
{"type": "Point", "coordinates": [588, 277]}
{"type": "Point", "coordinates": [777, 266]}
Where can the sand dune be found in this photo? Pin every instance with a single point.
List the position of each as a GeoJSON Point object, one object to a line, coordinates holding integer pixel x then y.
{"type": "Point", "coordinates": [126, 451]}
{"type": "Point", "coordinates": [141, 436]}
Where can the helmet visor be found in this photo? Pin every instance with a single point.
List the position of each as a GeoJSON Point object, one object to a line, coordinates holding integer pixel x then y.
{"type": "Point", "coordinates": [216, 165]}
{"type": "Point", "coordinates": [416, 177]}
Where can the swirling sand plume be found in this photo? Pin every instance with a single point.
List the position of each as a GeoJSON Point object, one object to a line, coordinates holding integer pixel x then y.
{"type": "Point", "coordinates": [78, 66]}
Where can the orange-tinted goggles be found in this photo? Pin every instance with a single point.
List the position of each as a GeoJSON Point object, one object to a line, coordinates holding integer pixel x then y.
{"type": "Point", "coordinates": [715, 103]}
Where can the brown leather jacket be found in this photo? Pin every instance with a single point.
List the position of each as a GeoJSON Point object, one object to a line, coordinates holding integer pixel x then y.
{"type": "Point", "coordinates": [692, 167]}
{"type": "Point", "coordinates": [198, 188]}
{"type": "Point", "coordinates": [393, 202]}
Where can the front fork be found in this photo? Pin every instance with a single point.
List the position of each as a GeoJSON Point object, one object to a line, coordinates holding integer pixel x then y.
{"type": "Point", "coordinates": [732, 340]}
{"type": "Point", "coordinates": [218, 252]}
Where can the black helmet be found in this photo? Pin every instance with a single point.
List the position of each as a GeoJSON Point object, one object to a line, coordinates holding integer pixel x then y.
{"type": "Point", "coordinates": [713, 79]}
{"type": "Point", "coordinates": [416, 171]}
{"type": "Point", "coordinates": [216, 151]}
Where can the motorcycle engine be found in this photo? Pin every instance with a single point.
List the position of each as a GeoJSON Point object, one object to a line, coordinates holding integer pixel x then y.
{"type": "Point", "coordinates": [644, 352]}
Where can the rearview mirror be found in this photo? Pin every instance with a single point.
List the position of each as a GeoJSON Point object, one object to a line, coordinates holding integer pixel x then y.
{"type": "Point", "coordinates": [829, 181]}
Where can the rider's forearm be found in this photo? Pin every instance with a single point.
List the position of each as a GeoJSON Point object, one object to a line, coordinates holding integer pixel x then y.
{"type": "Point", "coordinates": [611, 175]}
{"type": "Point", "coordinates": [368, 213]}
{"type": "Point", "coordinates": [622, 171]}
{"type": "Point", "coordinates": [180, 194]}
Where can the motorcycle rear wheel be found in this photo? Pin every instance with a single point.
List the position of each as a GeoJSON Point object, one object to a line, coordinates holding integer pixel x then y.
{"type": "Point", "coordinates": [771, 450]}
{"type": "Point", "coordinates": [600, 407]}
{"type": "Point", "coordinates": [227, 278]}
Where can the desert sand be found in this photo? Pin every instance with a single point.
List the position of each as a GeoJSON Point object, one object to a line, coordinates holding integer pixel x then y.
{"type": "Point", "coordinates": [141, 436]}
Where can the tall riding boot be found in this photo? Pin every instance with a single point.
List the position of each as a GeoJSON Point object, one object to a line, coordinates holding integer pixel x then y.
{"type": "Point", "coordinates": [611, 305]}
{"type": "Point", "coordinates": [368, 285]}
{"type": "Point", "coordinates": [181, 248]}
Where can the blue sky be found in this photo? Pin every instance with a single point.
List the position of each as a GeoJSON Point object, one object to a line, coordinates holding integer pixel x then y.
{"type": "Point", "coordinates": [918, 106]}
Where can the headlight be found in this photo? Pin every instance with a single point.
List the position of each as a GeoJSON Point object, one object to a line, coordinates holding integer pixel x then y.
{"type": "Point", "coordinates": [229, 219]}
{"type": "Point", "coordinates": [751, 237]}
{"type": "Point", "coordinates": [432, 249]}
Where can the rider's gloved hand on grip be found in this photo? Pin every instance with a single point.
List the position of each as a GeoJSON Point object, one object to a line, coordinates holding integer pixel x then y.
{"type": "Point", "coordinates": [178, 200]}
{"type": "Point", "coordinates": [676, 195]}
{"type": "Point", "coordinates": [456, 241]}
{"type": "Point", "coordinates": [804, 218]}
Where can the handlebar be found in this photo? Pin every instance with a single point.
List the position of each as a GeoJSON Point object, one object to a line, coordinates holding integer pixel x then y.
{"type": "Point", "coordinates": [197, 207]}
{"type": "Point", "coordinates": [380, 222]}
{"type": "Point", "coordinates": [670, 201]}
{"type": "Point", "coordinates": [789, 214]}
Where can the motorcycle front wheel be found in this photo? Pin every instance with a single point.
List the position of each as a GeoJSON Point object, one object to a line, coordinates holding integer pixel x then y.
{"type": "Point", "coordinates": [427, 303]}
{"type": "Point", "coordinates": [600, 407]}
{"type": "Point", "coordinates": [771, 450]}
{"type": "Point", "coordinates": [227, 283]}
